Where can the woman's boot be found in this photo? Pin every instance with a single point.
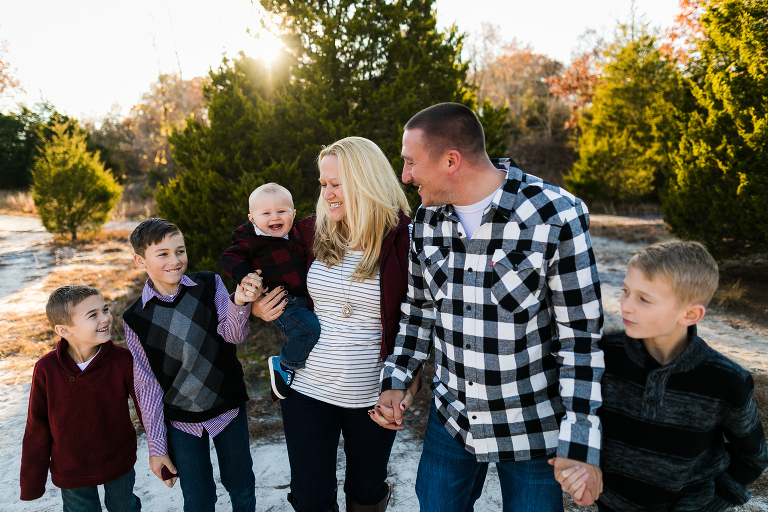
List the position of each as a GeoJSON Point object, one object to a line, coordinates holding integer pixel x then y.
{"type": "Point", "coordinates": [379, 507]}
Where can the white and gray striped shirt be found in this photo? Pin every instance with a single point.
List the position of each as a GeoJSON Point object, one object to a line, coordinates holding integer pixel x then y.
{"type": "Point", "coordinates": [343, 368]}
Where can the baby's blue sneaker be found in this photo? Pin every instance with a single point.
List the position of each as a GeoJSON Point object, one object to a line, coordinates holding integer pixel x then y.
{"type": "Point", "coordinates": [280, 378]}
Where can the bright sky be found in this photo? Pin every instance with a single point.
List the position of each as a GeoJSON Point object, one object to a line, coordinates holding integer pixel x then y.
{"type": "Point", "coordinates": [84, 55]}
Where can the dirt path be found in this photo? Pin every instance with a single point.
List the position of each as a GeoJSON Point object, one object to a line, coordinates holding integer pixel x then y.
{"type": "Point", "coordinates": [21, 239]}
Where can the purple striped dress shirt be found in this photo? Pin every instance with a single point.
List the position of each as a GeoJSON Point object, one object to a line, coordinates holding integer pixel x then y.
{"type": "Point", "coordinates": [233, 327]}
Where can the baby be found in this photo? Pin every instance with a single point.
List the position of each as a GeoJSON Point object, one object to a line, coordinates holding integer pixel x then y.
{"type": "Point", "coordinates": [270, 244]}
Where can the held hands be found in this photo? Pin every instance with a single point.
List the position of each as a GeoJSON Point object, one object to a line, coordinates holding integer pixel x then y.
{"type": "Point", "coordinates": [249, 289]}
{"type": "Point", "coordinates": [584, 482]}
{"type": "Point", "coordinates": [389, 411]}
{"type": "Point", "coordinates": [269, 306]}
{"type": "Point", "coordinates": [156, 465]}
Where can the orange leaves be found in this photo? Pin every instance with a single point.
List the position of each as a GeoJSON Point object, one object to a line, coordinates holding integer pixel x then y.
{"type": "Point", "coordinates": [682, 38]}
{"type": "Point", "coordinates": [6, 80]}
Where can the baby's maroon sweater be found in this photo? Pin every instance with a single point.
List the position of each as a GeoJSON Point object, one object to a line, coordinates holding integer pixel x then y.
{"type": "Point", "coordinates": [78, 422]}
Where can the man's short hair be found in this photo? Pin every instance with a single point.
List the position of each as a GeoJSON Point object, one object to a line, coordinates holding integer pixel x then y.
{"type": "Point", "coordinates": [268, 188]}
{"type": "Point", "coordinates": [450, 126]}
{"type": "Point", "coordinates": [63, 301]}
{"type": "Point", "coordinates": [150, 232]}
{"type": "Point", "coordinates": [687, 267]}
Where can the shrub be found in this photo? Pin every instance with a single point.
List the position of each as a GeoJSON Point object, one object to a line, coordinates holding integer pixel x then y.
{"type": "Point", "coordinates": [71, 189]}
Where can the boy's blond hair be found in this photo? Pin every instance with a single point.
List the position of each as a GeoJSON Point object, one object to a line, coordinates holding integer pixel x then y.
{"type": "Point", "coordinates": [63, 301]}
{"type": "Point", "coordinates": [687, 267]}
{"type": "Point", "coordinates": [373, 196]}
{"type": "Point", "coordinates": [268, 188]}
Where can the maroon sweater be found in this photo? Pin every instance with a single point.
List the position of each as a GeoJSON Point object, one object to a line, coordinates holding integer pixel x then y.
{"type": "Point", "coordinates": [393, 275]}
{"type": "Point", "coordinates": [78, 422]}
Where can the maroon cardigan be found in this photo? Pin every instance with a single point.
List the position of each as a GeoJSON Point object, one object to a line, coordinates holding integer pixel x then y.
{"type": "Point", "coordinates": [78, 422]}
{"type": "Point", "coordinates": [393, 274]}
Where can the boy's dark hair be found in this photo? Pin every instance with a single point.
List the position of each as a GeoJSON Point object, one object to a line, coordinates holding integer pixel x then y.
{"type": "Point", "coordinates": [448, 126]}
{"type": "Point", "coordinates": [63, 300]}
{"type": "Point", "coordinates": [150, 232]}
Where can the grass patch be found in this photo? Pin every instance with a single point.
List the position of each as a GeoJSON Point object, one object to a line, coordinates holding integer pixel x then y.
{"type": "Point", "coordinates": [629, 230]}
{"type": "Point", "coordinates": [17, 203]}
{"type": "Point", "coordinates": [731, 294]}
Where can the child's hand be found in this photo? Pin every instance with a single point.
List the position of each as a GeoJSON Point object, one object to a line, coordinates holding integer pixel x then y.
{"type": "Point", "coordinates": [249, 289]}
{"type": "Point", "coordinates": [582, 481]}
{"type": "Point", "coordinates": [156, 465]}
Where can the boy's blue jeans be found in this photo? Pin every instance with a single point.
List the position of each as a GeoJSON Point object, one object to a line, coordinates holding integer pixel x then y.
{"type": "Point", "coordinates": [450, 479]}
{"type": "Point", "coordinates": [302, 328]}
{"type": "Point", "coordinates": [118, 496]}
{"type": "Point", "coordinates": [193, 462]}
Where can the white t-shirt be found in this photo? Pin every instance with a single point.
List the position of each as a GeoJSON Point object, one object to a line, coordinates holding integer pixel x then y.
{"type": "Point", "coordinates": [343, 368]}
{"type": "Point", "coordinates": [84, 365]}
{"type": "Point", "coordinates": [471, 216]}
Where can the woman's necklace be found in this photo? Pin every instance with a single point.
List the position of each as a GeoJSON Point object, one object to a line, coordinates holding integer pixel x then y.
{"type": "Point", "coordinates": [346, 309]}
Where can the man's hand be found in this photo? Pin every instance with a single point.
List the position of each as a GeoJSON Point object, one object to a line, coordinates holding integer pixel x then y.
{"type": "Point", "coordinates": [156, 465]}
{"type": "Point", "coordinates": [584, 482]}
{"type": "Point", "coordinates": [249, 289]}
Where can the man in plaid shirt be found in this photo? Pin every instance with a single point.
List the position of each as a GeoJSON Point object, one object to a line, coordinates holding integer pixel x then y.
{"type": "Point", "coordinates": [503, 286]}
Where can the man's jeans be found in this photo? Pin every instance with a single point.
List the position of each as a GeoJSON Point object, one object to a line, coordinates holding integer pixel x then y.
{"type": "Point", "coordinates": [450, 479]}
{"type": "Point", "coordinates": [302, 328]}
{"type": "Point", "coordinates": [193, 461]}
{"type": "Point", "coordinates": [118, 496]}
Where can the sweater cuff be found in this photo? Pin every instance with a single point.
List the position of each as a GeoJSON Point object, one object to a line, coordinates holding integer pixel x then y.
{"type": "Point", "coordinates": [32, 493]}
{"type": "Point", "coordinates": [239, 271]}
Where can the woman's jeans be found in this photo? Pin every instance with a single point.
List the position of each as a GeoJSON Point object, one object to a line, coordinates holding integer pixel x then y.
{"type": "Point", "coordinates": [450, 479]}
{"type": "Point", "coordinates": [312, 431]}
{"type": "Point", "coordinates": [302, 329]}
{"type": "Point", "coordinates": [193, 462]}
{"type": "Point", "coordinates": [118, 496]}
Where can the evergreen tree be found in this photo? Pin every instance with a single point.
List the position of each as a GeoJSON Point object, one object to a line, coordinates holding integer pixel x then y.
{"type": "Point", "coordinates": [349, 67]}
{"type": "Point", "coordinates": [624, 149]}
{"type": "Point", "coordinates": [717, 189]}
{"type": "Point", "coordinates": [71, 189]}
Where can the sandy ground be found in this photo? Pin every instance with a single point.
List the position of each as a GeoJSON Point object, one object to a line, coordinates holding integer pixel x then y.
{"type": "Point", "coordinates": [23, 236]}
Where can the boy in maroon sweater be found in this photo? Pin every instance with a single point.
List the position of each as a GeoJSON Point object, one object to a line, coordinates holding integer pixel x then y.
{"type": "Point", "coordinates": [269, 244]}
{"type": "Point", "coordinates": [78, 423]}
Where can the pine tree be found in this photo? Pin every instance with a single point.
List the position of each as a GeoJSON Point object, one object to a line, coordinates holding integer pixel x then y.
{"type": "Point", "coordinates": [71, 189]}
{"type": "Point", "coordinates": [624, 150]}
{"type": "Point", "coordinates": [359, 68]}
{"type": "Point", "coordinates": [717, 190]}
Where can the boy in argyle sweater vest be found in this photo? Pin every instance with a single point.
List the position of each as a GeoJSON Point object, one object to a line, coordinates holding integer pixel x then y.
{"type": "Point", "coordinates": [183, 333]}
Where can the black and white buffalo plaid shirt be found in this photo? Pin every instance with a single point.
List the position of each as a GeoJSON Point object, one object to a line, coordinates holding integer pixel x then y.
{"type": "Point", "coordinates": [514, 317]}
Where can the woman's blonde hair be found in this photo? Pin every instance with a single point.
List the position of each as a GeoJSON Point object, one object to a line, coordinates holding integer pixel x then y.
{"type": "Point", "coordinates": [373, 197]}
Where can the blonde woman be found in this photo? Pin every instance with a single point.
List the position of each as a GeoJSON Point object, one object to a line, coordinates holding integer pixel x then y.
{"type": "Point", "coordinates": [357, 277]}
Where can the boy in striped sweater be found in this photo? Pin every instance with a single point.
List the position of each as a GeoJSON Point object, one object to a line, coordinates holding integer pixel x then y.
{"type": "Point", "coordinates": [681, 430]}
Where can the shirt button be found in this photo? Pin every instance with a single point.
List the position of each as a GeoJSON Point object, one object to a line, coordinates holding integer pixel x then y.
{"type": "Point", "coordinates": [470, 383]}
{"type": "Point", "coordinates": [651, 401]}
{"type": "Point", "coordinates": [72, 379]}
{"type": "Point", "coordinates": [654, 376]}
{"type": "Point", "coordinates": [469, 308]}
{"type": "Point", "coordinates": [468, 345]}
{"type": "Point", "coordinates": [470, 270]}
{"type": "Point", "coordinates": [474, 417]}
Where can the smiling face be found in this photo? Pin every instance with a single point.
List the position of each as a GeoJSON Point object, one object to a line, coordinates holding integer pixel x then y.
{"type": "Point", "coordinates": [165, 263]}
{"type": "Point", "coordinates": [331, 189]}
{"type": "Point", "coordinates": [272, 213]}
{"type": "Point", "coordinates": [91, 322]}
{"type": "Point", "coordinates": [651, 311]}
{"type": "Point", "coordinates": [420, 170]}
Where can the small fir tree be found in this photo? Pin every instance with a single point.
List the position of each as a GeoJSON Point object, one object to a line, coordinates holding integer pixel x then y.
{"type": "Point", "coordinates": [717, 189]}
{"type": "Point", "coordinates": [625, 146]}
{"type": "Point", "coordinates": [71, 189]}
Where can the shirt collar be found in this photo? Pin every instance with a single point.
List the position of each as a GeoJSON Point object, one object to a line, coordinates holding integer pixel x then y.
{"type": "Point", "coordinates": [149, 290]}
{"type": "Point", "coordinates": [686, 361]}
{"type": "Point", "coordinates": [505, 200]}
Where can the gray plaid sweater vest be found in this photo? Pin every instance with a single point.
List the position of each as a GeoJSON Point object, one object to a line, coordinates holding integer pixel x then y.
{"type": "Point", "coordinates": [198, 370]}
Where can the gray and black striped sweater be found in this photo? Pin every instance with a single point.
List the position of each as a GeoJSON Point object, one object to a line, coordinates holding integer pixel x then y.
{"type": "Point", "coordinates": [681, 437]}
